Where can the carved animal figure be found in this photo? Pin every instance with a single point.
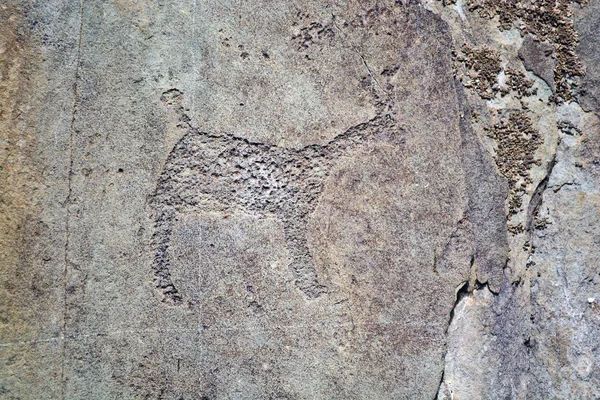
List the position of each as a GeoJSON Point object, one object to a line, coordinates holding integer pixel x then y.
{"type": "Point", "coordinates": [206, 172]}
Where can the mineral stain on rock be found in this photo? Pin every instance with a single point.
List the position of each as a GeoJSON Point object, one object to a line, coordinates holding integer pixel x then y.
{"type": "Point", "coordinates": [20, 177]}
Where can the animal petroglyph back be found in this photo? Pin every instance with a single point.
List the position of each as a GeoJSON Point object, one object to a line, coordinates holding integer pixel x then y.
{"type": "Point", "coordinates": [224, 173]}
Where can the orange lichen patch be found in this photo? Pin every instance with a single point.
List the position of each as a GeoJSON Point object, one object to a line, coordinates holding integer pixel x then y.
{"type": "Point", "coordinates": [19, 176]}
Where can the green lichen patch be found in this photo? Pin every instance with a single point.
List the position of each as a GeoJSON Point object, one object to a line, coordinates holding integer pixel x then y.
{"type": "Point", "coordinates": [568, 128]}
{"type": "Point", "coordinates": [517, 141]}
{"type": "Point", "coordinates": [516, 229]}
{"type": "Point", "coordinates": [483, 66]}
{"type": "Point", "coordinates": [546, 20]}
{"type": "Point", "coordinates": [517, 82]}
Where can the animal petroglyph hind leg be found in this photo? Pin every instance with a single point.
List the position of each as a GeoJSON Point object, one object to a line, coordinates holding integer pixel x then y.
{"type": "Point", "coordinates": [302, 263]}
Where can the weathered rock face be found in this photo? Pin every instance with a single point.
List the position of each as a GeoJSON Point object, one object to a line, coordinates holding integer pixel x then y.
{"type": "Point", "coordinates": [353, 200]}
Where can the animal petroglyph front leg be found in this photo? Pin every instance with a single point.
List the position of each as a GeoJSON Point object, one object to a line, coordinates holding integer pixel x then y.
{"type": "Point", "coordinates": [302, 265]}
{"type": "Point", "coordinates": [163, 224]}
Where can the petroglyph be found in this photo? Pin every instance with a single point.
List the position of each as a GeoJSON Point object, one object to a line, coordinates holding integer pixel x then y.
{"type": "Point", "coordinates": [224, 173]}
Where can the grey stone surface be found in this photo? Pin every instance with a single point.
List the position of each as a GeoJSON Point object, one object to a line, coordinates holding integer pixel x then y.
{"type": "Point", "coordinates": [298, 200]}
{"type": "Point", "coordinates": [539, 58]}
{"type": "Point", "coordinates": [587, 25]}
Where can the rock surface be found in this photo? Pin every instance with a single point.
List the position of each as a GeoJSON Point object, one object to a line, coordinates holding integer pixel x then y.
{"type": "Point", "coordinates": [301, 200]}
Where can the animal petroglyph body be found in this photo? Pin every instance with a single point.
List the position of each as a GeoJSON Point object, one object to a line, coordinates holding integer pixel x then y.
{"type": "Point", "coordinates": [224, 173]}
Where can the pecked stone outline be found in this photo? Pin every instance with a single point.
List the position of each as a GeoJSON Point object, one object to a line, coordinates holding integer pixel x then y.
{"type": "Point", "coordinates": [225, 173]}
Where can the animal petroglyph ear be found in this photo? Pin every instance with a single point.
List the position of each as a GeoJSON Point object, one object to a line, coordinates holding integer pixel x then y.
{"type": "Point", "coordinates": [172, 97]}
